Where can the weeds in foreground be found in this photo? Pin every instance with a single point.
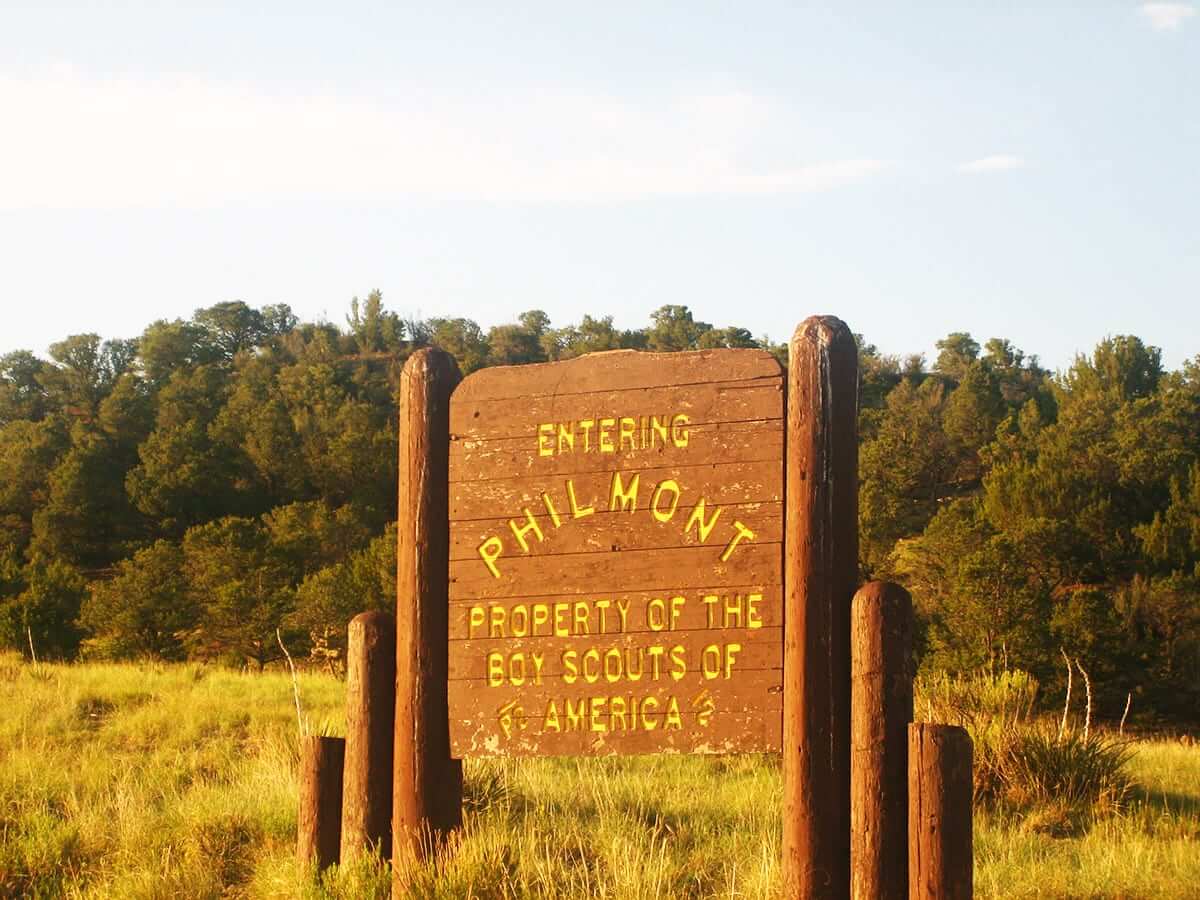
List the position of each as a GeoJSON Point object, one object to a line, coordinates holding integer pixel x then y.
{"type": "Point", "coordinates": [180, 781]}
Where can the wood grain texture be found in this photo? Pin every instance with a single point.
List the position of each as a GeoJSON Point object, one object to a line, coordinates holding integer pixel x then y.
{"type": "Point", "coordinates": [370, 734]}
{"type": "Point", "coordinates": [881, 710]}
{"type": "Point", "coordinates": [543, 520]}
{"type": "Point", "coordinates": [319, 824]}
{"type": "Point", "coordinates": [821, 568]}
{"type": "Point", "coordinates": [940, 860]}
{"type": "Point", "coordinates": [623, 369]}
{"type": "Point", "coordinates": [427, 787]}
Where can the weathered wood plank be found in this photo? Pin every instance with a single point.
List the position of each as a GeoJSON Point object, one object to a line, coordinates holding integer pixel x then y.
{"type": "Point", "coordinates": [751, 481]}
{"type": "Point", "coordinates": [590, 573]}
{"type": "Point", "coordinates": [512, 457]}
{"type": "Point", "coordinates": [736, 732]}
{"type": "Point", "coordinates": [753, 689]}
{"type": "Point", "coordinates": [760, 649]}
{"type": "Point", "coordinates": [616, 613]}
{"type": "Point", "coordinates": [609, 531]}
{"type": "Point", "coordinates": [623, 369]}
{"type": "Point", "coordinates": [703, 404]}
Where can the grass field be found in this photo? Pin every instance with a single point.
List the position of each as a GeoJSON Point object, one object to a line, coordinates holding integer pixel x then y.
{"type": "Point", "coordinates": [179, 781]}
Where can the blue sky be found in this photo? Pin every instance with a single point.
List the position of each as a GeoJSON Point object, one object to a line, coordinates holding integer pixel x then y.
{"type": "Point", "coordinates": [1031, 172]}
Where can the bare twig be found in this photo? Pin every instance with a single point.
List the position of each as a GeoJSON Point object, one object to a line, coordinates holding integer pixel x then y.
{"type": "Point", "coordinates": [1067, 704]}
{"type": "Point", "coordinates": [295, 682]}
{"type": "Point", "coordinates": [29, 634]}
{"type": "Point", "coordinates": [1128, 700]}
{"type": "Point", "coordinates": [1087, 685]}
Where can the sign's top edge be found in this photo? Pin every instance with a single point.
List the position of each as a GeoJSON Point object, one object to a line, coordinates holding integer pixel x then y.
{"type": "Point", "coordinates": [622, 369]}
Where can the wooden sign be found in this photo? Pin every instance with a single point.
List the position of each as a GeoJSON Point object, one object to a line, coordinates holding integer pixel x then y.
{"type": "Point", "coordinates": [616, 555]}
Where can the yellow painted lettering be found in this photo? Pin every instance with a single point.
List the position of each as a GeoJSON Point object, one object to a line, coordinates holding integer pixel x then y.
{"type": "Point", "coordinates": [731, 650]}
{"type": "Point", "coordinates": [625, 497]}
{"type": "Point", "coordinates": [742, 532]}
{"type": "Point", "coordinates": [616, 713]}
{"type": "Point", "coordinates": [605, 435]}
{"type": "Point", "coordinates": [518, 620]}
{"type": "Point", "coordinates": [733, 611]}
{"type": "Point", "coordinates": [591, 674]}
{"type": "Point", "coordinates": [477, 619]}
{"type": "Point", "coordinates": [577, 511]}
{"type": "Point", "coordinates": [495, 668]}
{"type": "Point", "coordinates": [655, 654]}
{"type": "Point", "coordinates": [710, 603]}
{"type": "Point", "coordinates": [566, 436]}
{"type": "Point", "coordinates": [648, 705]}
{"type": "Point", "coordinates": [678, 662]}
{"type": "Point", "coordinates": [489, 552]}
{"type": "Point", "coordinates": [570, 667]}
{"type": "Point", "coordinates": [623, 612]}
{"type": "Point", "coordinates": [497, 624]}
{"type": "Point", "coordinates": [676, 611]}
{"type": "Point", "coordinates": [703, 527]}
{"type": "Point", "coordinates": [668, 486]}
{"type": "Point", "coordinates": [673, 718]}
{"type": "Point", "coordinates": [596, 711]}
{"type": "Point", "coordinates": [546, 439]}
{"type": "Point", "coordinates": [575, 715]}
{"type": "Point", "coordinates": [539, 660]}
{"type": "Point", "coordinates": [710, 661]}
{"type": "Point", "coordinates": [519, 531]}
{"type": "Point", "coordinates": [554, 517]}
{"type": "Point", "coordinates": [612, 665]}
{"type": "Point", "coordinates": [586, 427]}
{"type": "Point", "coordinates": [561, 619]}
{"type": "Point", "coordinates": [658, 431]}
{"type": "Point", "coordinates": [541, 616]}
{"type": "Point", "coordinates": [656, 614]}
{"type": "Point", "coordinates": [679, 430]}
{"type": "Point", "coordinates": [753, 616]}
{"type": "Point", "coordinates": [628, 428]}
{"type": "Point", "coordinates": [580, 616]}
{"type": "Point", "coordinates": [551, 722]}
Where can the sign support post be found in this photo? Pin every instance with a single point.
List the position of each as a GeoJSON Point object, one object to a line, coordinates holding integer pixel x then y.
{"type": "Point", "coordinates": [820, 576]}
{"type": "Point", "coordinates": [427, 788]}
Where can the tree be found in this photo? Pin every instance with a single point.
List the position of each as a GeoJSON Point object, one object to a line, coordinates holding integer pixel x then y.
{"type": "Point", "coordinates": [462, 339]}
{"type": "Point", "coordinates": [240, 589]}
{"type": "Point", "coordinates": [144, 611]}
{"type": "Point", "coordinates": [956, 352]}
{"type": "Point", "coordinates": [673, 328]}
{"type": "Point", "coordinates": [232, 327]}
{"type": "Point", "coordinates": [46, 611]}
{"type": "Point", "coordinates": [22, 394]}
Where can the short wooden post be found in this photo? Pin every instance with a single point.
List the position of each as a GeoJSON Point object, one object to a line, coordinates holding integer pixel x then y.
{"type": "Point", "coordinates": [939, 813]}
{"type": "Point", "coordinates": [320, 821]}
{"type": "Point", "coordinates": [820, 574]}
{"type": "Point", "coordinates": [370, 735]}
{"type": "Point", "coordinates": [427, 789]}
{"type": "Point", "coordinates": [881, 704]}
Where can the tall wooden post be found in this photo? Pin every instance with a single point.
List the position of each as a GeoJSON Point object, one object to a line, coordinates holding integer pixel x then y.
{"type": "Point", "coordinates": [881, 706]}
{"type": "Point", "coordinates": [427, 789]}
{"type": "Point", "coordinates": [820, 574]}
{"type": "Point", "coordinates": [939, 813]}
{"type": "Point", "coordinates": [318, 832]}
{"type": "Point", "coordinates": [370, 734]}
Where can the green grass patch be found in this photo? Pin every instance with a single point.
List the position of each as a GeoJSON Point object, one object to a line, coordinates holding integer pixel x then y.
{"type": "Point", "coordinates": [180, 781]}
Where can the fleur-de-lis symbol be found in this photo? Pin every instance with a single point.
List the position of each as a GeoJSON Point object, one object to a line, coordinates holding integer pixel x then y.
{"type": "Point", "coordinates": [507, 714]}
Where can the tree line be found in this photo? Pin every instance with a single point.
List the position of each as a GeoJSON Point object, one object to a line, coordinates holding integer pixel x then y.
{"type": "Point", "coordinates": [216, 483]}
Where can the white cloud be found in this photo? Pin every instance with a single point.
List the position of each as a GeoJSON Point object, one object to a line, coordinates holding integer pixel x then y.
{"type": "Point", "coordinates": [1167, 16]}
{"type": "Point", "coordinates": [75, 141]}
{"type": "Point", "coordinates": [998, 163]}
